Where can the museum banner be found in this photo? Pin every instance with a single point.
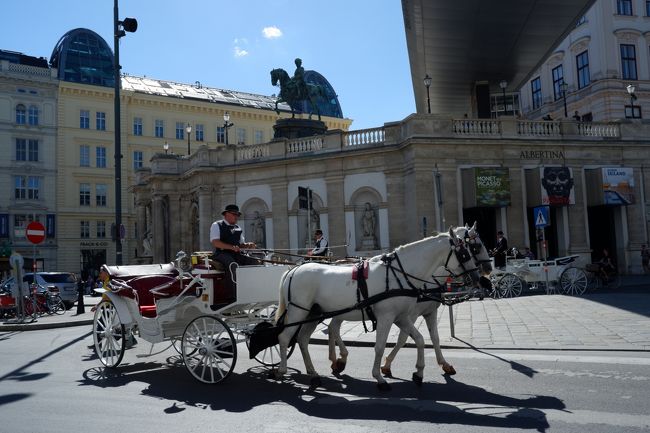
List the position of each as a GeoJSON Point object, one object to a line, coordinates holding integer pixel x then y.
{"type": "Point", "coordinates": [618, 186]}
{"type": "Point", "coordinates": [492, 187]}
{"type": "Point", "coordinates": [557, 186]}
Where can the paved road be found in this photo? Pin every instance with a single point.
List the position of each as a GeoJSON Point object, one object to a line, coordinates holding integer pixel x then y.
{"type": "Point", "coordinates": [50, 381]}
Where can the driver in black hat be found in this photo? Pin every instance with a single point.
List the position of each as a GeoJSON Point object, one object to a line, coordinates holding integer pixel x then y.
{"type": "Point", "coordinates": [228, 240]}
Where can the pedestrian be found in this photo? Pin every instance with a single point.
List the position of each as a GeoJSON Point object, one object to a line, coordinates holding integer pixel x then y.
{"type": "Point", "coordinates": [228, 241]}
{"type": "Point", "coordinates": [645, 258]}
{"type": "Point", "coordinates": [500, 251]}
{"type": "Point", "coordinates": [576, 116]}
{"type": "Point", "coordinates": [321, 247]}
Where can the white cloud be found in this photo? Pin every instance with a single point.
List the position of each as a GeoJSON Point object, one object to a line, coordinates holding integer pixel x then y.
{"type": "Point", "coordinates": [241, 41]}
{"type": "Point", "coordinates": [239, 52]}
{"type": "Point", "coordinates": [271, 32]}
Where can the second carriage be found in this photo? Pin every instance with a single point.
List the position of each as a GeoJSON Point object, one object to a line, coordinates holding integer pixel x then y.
{"type": "Point", "coordinates": [558, 275]}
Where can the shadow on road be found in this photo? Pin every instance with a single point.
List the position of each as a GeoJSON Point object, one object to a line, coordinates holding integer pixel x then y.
{"type": "Point", "coordinates": [344, 398]}
{"type": "Point", "coordinates": [521, 368]}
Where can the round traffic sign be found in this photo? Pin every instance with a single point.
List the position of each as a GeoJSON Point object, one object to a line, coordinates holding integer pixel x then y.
{"type": "Point", "coordinates": [35, 232]}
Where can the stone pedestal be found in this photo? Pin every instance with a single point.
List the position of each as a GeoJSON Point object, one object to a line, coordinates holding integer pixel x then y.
{"type": "Point", "coordinates": [368, 243]}
{"type": "Point", "coordinates": [298, 128]}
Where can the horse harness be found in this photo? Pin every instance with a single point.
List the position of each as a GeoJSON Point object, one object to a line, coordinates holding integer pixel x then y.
{"type": "Point", "coordinates": [365, 302]}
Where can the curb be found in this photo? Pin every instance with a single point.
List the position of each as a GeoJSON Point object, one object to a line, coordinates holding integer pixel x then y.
{"type": "Point", "coordinates": [40, 326]}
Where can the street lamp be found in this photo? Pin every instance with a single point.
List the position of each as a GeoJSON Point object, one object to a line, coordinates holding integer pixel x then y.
{"type": "Point", "coordinates": [119, 30]}
{"type": "Point", "coordinates": [226, 124]}
{"type": "Point", "coordinates": [188, 129]}
{"type": "Point", "coordinates": [564, 87]}
{"type": "Point", "coordinates": [503, 84]}
{"type": "Point", "coordinates": [427, 84]}
{"type": "Point", "coordinates": [630, 90]}
{"type": "Point", "coordinates": [166, 147]}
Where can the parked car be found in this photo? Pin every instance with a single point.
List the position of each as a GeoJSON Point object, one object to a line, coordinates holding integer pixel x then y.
{"type": "Point", "coordinates": [65, 283]}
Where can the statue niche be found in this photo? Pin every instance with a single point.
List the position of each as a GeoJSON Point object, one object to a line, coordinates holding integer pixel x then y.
{"type": "Point", "coordinates": [368, 223]}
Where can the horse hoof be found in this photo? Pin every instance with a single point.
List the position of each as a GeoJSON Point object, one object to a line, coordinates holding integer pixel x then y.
{"type": "Point", "coordinates": [386, 372]}
{"type": "Point", "coordinates": [417, 379]}
{"type": "Point", "coordinates": [384, 386]}
{"type": "Point", "coordinates": [338, 366]}
{"type": "Point", "coordinates": [314, 382]}
{"type": "Point", "coordinates": [449, 369]}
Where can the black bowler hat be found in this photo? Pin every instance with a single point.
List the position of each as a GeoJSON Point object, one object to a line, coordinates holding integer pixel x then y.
{"type": "Point", "coordinates": [232, 208]}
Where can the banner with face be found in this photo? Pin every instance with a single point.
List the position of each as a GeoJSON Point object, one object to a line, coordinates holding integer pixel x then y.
{"type": "Point", "coordinates": [557, 186]}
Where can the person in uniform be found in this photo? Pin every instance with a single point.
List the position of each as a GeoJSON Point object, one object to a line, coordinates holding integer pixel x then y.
{"type": "Point", "coordinates": [321, 248]}
{"type": "Point", "coordinates": [499, 253]}
{"type": "Point", "coordinates": [228, 241]}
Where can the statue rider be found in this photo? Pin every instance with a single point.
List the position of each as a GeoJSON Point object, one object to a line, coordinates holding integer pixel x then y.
{"type": "Point", "coordinates": [299, 80]}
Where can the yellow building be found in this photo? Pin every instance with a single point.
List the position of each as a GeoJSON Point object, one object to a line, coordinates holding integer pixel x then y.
{"type": "Point", "coordinates": [156, 117]}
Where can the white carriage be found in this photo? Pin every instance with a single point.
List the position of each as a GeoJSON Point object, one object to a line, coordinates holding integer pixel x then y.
{"type": "Point", "coordinates": [549, 275]}
{"type": "Point", "coordinates": [186, 304]}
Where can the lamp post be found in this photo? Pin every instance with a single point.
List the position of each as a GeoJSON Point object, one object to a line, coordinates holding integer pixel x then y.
{"type": "Point", "coordinates": [630, 90]}
{"type": "Point", "coordinates": [564, 87]}
{"type": "Point", "coordinates": [427, 84]}
{"type": "Point", "coordinates": [188, 129]}
{"type": "Point", "coordinates": [119, 29]}
{"type": "Point", "coordinates": [166, 147]}
{"type": "Point", "coordinates": [226, 124]}
{"type": "Point", "coordinates": [503, 84]}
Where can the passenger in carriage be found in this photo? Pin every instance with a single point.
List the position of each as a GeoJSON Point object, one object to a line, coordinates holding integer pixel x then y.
{"type": "Point", "coordinates": [228, 240]}
{"type": "Point", "coordinates": [528, 254]}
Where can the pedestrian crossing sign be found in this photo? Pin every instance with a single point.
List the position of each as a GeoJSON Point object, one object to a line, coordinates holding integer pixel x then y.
{"type": "Point", "coordinates": [541, 214]}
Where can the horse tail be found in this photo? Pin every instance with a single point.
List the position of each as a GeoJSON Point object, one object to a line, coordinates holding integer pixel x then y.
{"type": "Point", "coordinates": [282, 305]}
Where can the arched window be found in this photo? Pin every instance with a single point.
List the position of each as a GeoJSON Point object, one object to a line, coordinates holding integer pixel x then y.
{"type": "Point", "coordinates": [20, 114]}
{"type": "Point", "coordinates": [33, 115]}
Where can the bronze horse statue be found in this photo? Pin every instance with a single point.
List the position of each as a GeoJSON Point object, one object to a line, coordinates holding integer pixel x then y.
{"type": "Point", "coordinates": [292, 94]}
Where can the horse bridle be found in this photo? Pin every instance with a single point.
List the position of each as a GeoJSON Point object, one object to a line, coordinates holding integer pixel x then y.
{"type": "Point", "coordinates": [474, 245]}
{"type": "Point", "coordinates": [462, 256]}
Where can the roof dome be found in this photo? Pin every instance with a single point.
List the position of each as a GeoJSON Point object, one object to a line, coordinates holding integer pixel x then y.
{"type": "Point", "coordinates": [330, 105]}
{"type": "Point", "coordinates": [82, 56]}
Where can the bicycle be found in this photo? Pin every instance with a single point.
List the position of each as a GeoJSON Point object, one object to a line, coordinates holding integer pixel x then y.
{"type": "Point", "coordinates": [42, 301]}
{"type": "Point", "coordinates": [598, 278]}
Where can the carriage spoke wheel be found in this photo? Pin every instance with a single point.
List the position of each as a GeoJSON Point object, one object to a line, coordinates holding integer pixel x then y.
{"type": "Point", "coordinates": [573, 281]}
{"type": "Point", "coordinates": [510, 286]}
{"type": "Point", "coordinates": [108, 334]}
{"type": "Point", "coordinates": [209, 349]}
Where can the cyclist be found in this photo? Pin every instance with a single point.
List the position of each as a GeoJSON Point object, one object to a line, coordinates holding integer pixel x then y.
{"type": "Point", "coordinates": [606, 265]}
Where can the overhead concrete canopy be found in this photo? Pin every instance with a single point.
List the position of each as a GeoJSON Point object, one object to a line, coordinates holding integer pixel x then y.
{"type": "Point", "coordinates": [460, 43]}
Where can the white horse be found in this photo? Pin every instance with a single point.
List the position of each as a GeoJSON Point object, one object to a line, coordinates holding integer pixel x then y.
{"type": "Point", "coordinates": [428, 310]}
{"type": "Point", "coordinates": [332, 289]}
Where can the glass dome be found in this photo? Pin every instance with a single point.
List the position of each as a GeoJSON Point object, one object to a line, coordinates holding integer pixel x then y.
{"type": "Point", "coordinates": [82, 56]}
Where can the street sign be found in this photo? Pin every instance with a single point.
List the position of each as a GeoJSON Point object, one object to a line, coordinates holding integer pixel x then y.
{"type": "Point", "coordinates": [35, 232]}
{"type": "Point", "coordinates": [541, 215]}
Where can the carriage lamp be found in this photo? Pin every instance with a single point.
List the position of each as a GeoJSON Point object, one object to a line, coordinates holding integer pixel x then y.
{"type": "Point", "coordinates": [226, 124]}
{"type": "Point", "coordinates": [427, 84]}
{"type": "Point", "coordinates": [166, 147]}
{"type": "Point", "coordinates": [188, 129]}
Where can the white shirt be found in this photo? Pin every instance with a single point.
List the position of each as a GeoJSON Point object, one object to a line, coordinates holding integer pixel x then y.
{"type": "Point", "coordinates": [215, 231]}
{"type": "Point", "coordinates": [323, 246]}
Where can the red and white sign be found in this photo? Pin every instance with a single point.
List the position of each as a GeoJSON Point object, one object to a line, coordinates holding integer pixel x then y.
{"type": "Point", "coordinates": [35, 232]}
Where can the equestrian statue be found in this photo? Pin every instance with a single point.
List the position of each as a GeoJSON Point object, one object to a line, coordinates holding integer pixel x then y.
{"type": "Point", "coordinates": [294, 91]}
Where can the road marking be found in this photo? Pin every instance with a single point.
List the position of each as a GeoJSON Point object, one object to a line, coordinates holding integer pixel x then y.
{"type": "Point", "coordinates": [595, 359]}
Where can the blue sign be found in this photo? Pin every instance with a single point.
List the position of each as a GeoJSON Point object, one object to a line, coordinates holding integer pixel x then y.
{"type": "Point", "coordinates": [541, 215]}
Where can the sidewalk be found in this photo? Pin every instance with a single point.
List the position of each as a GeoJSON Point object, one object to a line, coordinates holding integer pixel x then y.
{"type": "Point", "coordinates": [600, 320]}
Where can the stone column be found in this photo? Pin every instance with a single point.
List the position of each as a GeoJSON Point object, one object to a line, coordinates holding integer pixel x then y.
{"type": "Point", "coordinates": [206, 218]}
{"type": "Point", "coordinates": [179, 224]}
{"type": "Point", "coordinates": [578, 242]}
{"type": "Point", "coordinates": [337, 234]}
{"type": "Point", "coordinates": [158, 229]}
{"type": "Point", "coordinates": [515, 212]}
{"type": "Point", "coordinates": [141, 220]}
{"type": "Point", "coordinates": [396, 206]}
{"type": "Point", "coordinates": [279, 197]}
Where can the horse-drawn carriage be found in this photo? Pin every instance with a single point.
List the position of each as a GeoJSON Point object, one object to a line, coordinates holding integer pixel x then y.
{"type": "Point", "coordinates": [550, 275]}
{"type": "Point", "coordinates": [187, 304]}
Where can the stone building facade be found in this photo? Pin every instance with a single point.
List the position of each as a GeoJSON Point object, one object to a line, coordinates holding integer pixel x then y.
{"type": "Point", "coordinates": [415, 176]}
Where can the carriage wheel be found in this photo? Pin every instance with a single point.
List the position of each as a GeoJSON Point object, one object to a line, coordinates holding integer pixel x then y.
{"type": "Point", "coordinates": [510, 286]}
{"type": "Point", "coordinates": [56, 305]}
{"type": "Point", "coordinates": [209, 349]}
{"type": "Point", "coordinates": [573, 281]}
{"type": "Point", "coordinates": [269, 357]}
{"type": "Point", "coordinates": [108, 334]}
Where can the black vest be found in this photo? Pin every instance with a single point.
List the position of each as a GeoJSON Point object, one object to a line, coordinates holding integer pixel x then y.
{"type": "Point", "coordinates": [317, 246]}
{"type": "Point", "coordinates": [230, 234]}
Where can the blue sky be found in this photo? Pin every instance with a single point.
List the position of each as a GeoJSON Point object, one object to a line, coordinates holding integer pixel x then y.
{"type": "Point", "coordinates": [358, 45]}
